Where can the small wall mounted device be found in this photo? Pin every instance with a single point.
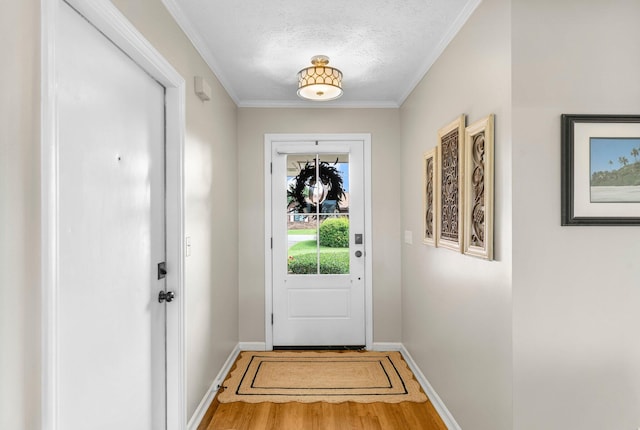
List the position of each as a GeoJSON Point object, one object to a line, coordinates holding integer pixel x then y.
{"type": "Point", "coordinates": [202, 88]}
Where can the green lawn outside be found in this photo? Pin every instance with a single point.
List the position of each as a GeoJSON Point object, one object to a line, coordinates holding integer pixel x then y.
{"type": "Point", "coordinates": [309, 246]}
{"type": "Point", "coordinates": [305, 231]}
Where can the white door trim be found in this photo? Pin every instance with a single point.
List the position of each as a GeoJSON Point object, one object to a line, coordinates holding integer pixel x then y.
{"type": "Point", "coordinates": [368, 271]}
{"type": "Point", "coordinates": [114, 25]}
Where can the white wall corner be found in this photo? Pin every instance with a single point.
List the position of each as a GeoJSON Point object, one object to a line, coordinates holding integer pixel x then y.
{"type": "Point", "coordinates": [437, 402]}
{"type": "Point", "coordinates": [201, 410]}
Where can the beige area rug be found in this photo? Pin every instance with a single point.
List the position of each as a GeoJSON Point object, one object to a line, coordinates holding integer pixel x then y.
{"type": "Point", "coordinates": [321, 376]}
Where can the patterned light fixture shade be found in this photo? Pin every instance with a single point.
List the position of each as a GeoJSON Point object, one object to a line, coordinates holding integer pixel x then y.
{"type": "Point", "coordinates": [320, 82]}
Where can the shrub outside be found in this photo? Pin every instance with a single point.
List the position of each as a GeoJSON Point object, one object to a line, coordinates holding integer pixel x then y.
{"type": "Point", "coordinates": [330, 263]}
{"type": "Point", "coordinates": [334, 233]}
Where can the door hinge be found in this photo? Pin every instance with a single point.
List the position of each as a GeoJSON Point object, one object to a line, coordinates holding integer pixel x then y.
{"type": "Point", "coordinates": [271, 168]}
{"type": "Point", "coordinates": [271, 319]}
{"type": "Point", "coordinates": [271, 243]}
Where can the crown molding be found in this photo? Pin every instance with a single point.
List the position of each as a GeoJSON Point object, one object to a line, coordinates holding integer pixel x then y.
{"type": "Point", "coordinates": [301, 104]}
{"type": "Point", "coordinates": [453, 30]}
{"type": "Point", "coordinates": [194, 36]}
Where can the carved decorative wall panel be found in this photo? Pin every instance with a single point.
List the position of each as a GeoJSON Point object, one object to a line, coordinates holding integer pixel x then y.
{"type": "Point", "coordinates": [450, 185]}
{"type": "Point", "coordinates": [478, 218]}
{"type": "Point", "coordinates": [429, 197]}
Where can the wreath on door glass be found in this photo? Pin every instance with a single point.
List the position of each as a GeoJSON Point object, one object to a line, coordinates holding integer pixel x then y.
{"type": "Point", "coordinates": [304, 194]}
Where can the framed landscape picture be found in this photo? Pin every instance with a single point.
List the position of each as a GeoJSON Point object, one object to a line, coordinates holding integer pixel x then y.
{"type": "Point", "coordinates": [450, 188]}
{"type": "Point", "coordinates": [600, 169]}
{"type": "Point", "coordinates": [429, 197]}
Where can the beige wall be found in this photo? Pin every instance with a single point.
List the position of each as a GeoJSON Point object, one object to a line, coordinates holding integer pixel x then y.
{"type": "Point", "coordinates": [19, 215]}
{"type": "Point", "coordinates": [383, 124]}
{"type": "Point", "coordinates": [456, 310]}
{"type": "Point", "coordinates": [210, 160]}
{"type": "Point", "coordinates": [576, 291]}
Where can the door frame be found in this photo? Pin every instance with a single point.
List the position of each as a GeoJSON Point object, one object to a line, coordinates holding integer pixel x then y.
{"type": "Point", "coordinates": [269, 140]}
{"type": "Point", "coordinates": [103, 15]}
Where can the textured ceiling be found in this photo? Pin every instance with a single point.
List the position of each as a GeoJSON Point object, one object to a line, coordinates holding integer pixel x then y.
{"type": "Point", "coordinates": [383, 47]}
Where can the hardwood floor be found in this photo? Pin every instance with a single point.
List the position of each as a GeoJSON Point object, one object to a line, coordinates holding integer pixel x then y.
{"type": "Point", "coordinates": [324, 416]}
{"type": "Point", "coordinates": [321, 416]}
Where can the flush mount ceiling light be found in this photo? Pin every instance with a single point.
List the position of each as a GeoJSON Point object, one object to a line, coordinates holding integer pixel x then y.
{"type": "Point", "coordinates": [320, 82]}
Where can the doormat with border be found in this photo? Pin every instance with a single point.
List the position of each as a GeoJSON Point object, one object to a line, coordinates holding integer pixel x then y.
{"type": "Point", "coordinates": [321, 376]}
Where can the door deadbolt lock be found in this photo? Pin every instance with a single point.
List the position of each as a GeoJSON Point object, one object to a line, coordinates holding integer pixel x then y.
{"type": "Point", "coordinates": [162, 270]}
{"type": "Point", "coordinates": [358, 253]}
{"type": "Point", "coordinates": [166, 296]}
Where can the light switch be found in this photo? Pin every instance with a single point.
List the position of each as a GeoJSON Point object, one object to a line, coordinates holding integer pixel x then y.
{"type": "Point", "coordinates": [187, 245]}
{"type": "Point", "coordinates": [408, 237]}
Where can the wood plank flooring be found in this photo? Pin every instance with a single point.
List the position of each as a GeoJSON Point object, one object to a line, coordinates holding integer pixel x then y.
{"type": "Point", "coordinates": [321, 416]}
{"type": "Point", "coordinates": [325, 416]}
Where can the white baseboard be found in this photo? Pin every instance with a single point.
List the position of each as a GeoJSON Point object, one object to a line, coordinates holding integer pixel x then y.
{"type": "Point", "coordinates": [440, 407]}
{"type": "Point", "coordinates": [197, 416]}
{"type": "Point", "coordinates": [252, 346]}
{"type": "Point", "coordinates": [387, 346]}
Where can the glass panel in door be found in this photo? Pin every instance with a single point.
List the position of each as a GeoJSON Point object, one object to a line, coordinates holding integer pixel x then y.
{"type": "Point", "coordinates": [317, 214]}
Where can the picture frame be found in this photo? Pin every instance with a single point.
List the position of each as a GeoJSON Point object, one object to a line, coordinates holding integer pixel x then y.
{"type": "Point", "coordinates": [600, 170]}
{"type": "Point", "coordinates": [479, 188]}
{"type": "Point", "coordinates": [429, 188]}
{"type": "Point", "coordinates": [450, 185]}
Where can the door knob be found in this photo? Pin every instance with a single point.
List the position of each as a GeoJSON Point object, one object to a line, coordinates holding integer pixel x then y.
{"type": "Point", "coordinates": [166, 296]}
{"type": "Point", "coordinates": [358, 253]}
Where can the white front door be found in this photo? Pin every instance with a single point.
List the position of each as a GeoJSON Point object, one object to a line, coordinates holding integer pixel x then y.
{"type": "Point", "coordinates": [318, 230]}
{"type": "Point", "coordinates": [111, 226]}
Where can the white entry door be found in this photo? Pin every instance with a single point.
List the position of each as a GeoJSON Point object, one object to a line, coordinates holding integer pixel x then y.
{"type": "Point", "coordinates": [111, 222]}
{"type": "Point", "coordinates": [318, 229]}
